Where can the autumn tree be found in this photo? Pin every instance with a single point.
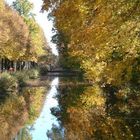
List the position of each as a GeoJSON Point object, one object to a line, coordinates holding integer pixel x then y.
{"type": "Point", "coordinates": [36, 36]}
{"type": "Point", "coordinates": [14, 35]}
{"type": "Point", "coordinates": [22, 40]}
{"type": "Point", "coordinates": [103, 36]}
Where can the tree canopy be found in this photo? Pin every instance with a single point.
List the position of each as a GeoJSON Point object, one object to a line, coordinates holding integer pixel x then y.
{"type": "Point", "coordinates": [14, 34]}
{"type": "Point", "coordinates": [102, 36]}
{"type": "Point", "coordinates": [21, 38]}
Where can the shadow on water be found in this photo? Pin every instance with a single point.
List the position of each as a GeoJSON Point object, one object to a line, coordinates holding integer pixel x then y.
{"type": "Point", "coordinates": [70, 111]}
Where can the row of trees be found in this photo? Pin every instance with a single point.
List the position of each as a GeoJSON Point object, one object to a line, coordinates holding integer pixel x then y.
{"type": "Point", "coordinates": [22, 41]}
{"type": "Point", "coordinates": [101, 37]}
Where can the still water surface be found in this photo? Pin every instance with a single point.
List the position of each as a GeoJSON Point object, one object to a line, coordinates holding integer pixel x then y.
{"type": "Point", "coordinates": [46, 120]}
{"type": "Point", "coordinates": [71, 111]}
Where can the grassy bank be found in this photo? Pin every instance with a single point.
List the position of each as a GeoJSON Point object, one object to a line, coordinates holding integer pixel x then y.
{"type": "Point", "coordinates": [11, 82]}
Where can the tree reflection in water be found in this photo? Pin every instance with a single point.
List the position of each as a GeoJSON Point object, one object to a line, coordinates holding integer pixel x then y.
{"type": "Point", "coordinates": [20, 109]}
{"type": "Point", "coordinates": [56, 133]}
{"type": "Point", "coordinates": [82, 112]}
{"type": "Point", "coordinates": [83, 115]}
{"type": "Point", "coordinates": [13, 114]}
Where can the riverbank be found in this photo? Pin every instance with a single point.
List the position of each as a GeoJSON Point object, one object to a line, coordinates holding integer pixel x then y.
{"type": "Point", "coordinates": [39, 82]}
{"type": "Point", "coordinates": [12, 82]}
{"type": "Point", "coordinates": [19, 103]}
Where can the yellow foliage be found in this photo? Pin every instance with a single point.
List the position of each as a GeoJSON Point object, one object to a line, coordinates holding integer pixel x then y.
{"type": "Point", "coordinates": [102, 35]}
{"type": "Point", "coordinates": [13, 107]}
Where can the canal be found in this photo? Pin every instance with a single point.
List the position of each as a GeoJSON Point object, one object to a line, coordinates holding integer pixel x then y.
{"type": "Point", "coordinates": [69, 110]}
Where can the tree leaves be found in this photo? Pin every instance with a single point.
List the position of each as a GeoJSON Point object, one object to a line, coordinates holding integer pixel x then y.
{"type": "Point", "coordinates": [21, 38]}
{"type": "Point", "coordinates": [102, 35]}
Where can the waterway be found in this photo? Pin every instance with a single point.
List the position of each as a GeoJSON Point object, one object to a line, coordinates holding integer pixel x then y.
{"type": "Point", "coordinates": [67, 110]}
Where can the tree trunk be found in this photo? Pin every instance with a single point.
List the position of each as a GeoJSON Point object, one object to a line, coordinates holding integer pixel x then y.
{"type": "Point", "coordinates": [0, 65]}
{"type": "Point", "coordinates": [29, 65]}
{"type": "Point", "coordinates": [5, 64]}
{"type": "Point", "coordinates": [26, 65]}
{"type": "Point", "coordinates": [12, 65]}
{"type": "Point", "coordinates": [20, 63]}
{"type": "Point", "coordinates": [15, 66]}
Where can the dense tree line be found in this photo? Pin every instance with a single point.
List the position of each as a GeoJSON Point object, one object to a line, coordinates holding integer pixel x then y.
{"type": "Point", "coordinates": [101, 37]}
{"type": "Point", "coordinates": [22, 41]}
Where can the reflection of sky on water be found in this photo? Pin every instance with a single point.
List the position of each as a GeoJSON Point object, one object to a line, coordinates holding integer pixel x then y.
{"type": "Point", "coordinates": [46, 119]}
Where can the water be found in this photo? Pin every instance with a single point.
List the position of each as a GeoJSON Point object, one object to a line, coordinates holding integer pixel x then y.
{"type": "Point", "coordinates": [70, 111]}
{"type": "Point", "coordinates": [46, 120]}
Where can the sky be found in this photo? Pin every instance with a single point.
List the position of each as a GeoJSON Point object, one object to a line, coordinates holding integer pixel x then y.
{"type": "Point", "coordinates": [42, 20]}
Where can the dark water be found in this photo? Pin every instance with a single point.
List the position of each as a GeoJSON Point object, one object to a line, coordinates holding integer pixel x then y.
{"type": "Point", "coordinates": [70, 111]}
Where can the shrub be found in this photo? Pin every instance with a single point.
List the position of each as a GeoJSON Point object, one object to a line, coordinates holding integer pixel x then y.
{"type": "Point", "coordinates": [22, 77]}
{"type": "Point", "coordinates": [8, 83]}
{"type": "Point", "coordinates": [43, 70]}
{"type": "Point", "coordinates": [33, 73]}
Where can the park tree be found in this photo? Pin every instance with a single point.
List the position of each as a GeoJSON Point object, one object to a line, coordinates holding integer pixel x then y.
{"type": "Point", "coordinates": [14, 36]}
{"type": "Point", "coordinates": [22, 40]}
{"type": "Point", "coordinates": [102, 36]}
{"type": "Point", "coordinates": [23, 7]}
{"type": "Point", "coordinates": [36, 43]}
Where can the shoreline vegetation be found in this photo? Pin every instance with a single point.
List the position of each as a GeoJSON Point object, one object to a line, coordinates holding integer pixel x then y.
{"type": "Point", "coordinates": [104, 42]}
{"type": "Point", "coordinates": [13, 81]}
{"type": "Point", "coordinates": [24, 51]}
{"type": "Point", "coordinates": [24, 106]}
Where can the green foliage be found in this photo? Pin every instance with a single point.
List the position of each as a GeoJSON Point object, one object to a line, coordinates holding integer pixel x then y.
{"type": "Point", "coordinates": [36, 41]}
{"type": "Point", "coordinates": [21, 77]}
{"type": "Point", "coordinates": [23, 7]}
{"type": "Point", "coordinates": [44, 70]}
{"type": "Point", "coordinates": [33, 73]}
{"type": "Point", "coordinates": [26, 134]}
{"type": "Point", "coordinates": [36, 44]}
{"type": "Point", "coordinates": [8, 83]}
